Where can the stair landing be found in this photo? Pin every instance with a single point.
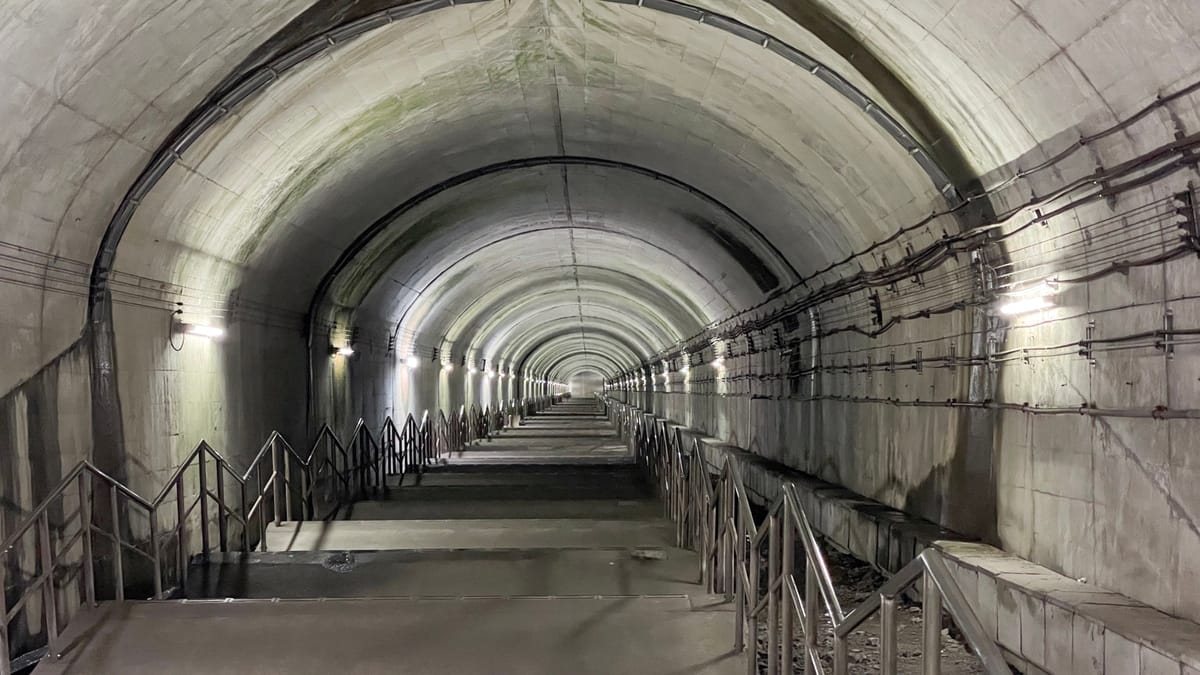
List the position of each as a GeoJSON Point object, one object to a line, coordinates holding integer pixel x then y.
{"type": "Point", "coordinates": [552, 636]}
{"type": "Point", "coordinates": [536, 552]}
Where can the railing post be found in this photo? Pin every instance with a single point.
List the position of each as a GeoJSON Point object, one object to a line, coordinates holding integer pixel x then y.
{"type": "Point", "coordinates": [739, 590]}
{"type": "Point", "coordinates": [222, 507]}
{"type": "Point", "coordinates": [181, 534]}
{"type": "Point", "coordinates": [245, 518]}
{"type": "Point", "coordinates": [710, 545]}
{"type": "Point", "coordinates": [118, 545]}
{"type": "Point", "coordinates": [275, 492]}
{"type": "Point", "coordinates": [48, 594]}
{"type": "Point", "coordinates": [931, 610]}
{"type": "Point", "coordinates": [727, 541]}
{"type": "Point", "coordinates": [841, 660]}
{"type": "Point", "coordinates": [773, 594]}
{"type": "Point", "coordinates": [812, 604]}
{"type": "Point", "coordinates": [287, 484]}
{"type": "Point", "coordinates": [89, 561]}
{"type": "Point", "coordinates": [331, 453]}
{"type": "Point", "coordinates": [308, 511]}
{"type": "Point", "coordinates": [5, 668]}
{"type": "Point", "coordinates": [203, 466]}
{"type": "Point", "coordinates": [261, 498]}
{"type": "Point", "coordinates": [755, 563]}
{"type": "Point", "coordinates": [787, 568]}
{"type": "Point", "coordinates": [156, 554]}
{"type": "Point", "coordinates": [887, 635]}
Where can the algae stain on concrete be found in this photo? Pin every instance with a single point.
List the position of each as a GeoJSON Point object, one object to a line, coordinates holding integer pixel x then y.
{"type": "Point", "coordinates": [354, 136]}
{"type": "Point", "coordinates": [373, 262]}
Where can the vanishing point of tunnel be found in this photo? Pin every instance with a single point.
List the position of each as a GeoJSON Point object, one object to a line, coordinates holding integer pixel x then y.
{"type": "Point", "coordinates": [508, 296]}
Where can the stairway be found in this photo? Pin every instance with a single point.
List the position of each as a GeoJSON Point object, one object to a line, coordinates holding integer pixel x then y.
{"type": "Point", "coordinates": [537, 551]}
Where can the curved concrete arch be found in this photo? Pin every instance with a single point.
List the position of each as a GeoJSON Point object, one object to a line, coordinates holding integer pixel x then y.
{"type": "Point", "coordinates": [550, 367]}
{"type": "Point", "coordinates": [520, 283]}
{"type": "Point", "coordinates": [363, 240]}
{"type": "Point", "coordinates": [562, 369]}
{"type": "Point", "coordinates": [466, 259]}
{"type": "Point", "coordinates": [648, 321]}
{"type": "Point", "coordinates": [530, 357]}
{"type": "Point", "coordinates": [508, 336]}
{"type": "Point", "coordinates": [521, 336]}
{"type": "Point", "coordinates": [220, 103]}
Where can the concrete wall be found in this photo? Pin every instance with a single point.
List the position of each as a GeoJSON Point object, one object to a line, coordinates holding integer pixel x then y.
{"type": "Point", "coordinates": [177, 390]}
{"type": "Point", "coordinates": [1105, 496]}
{"type": "Point", "coordinates": [586, 384]}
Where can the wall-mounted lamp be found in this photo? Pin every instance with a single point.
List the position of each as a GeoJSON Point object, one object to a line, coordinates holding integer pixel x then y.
{"type": "Point", "coordinates": [411, 361]}
{"type": "Point", "coordinates": [201, 330]}
{"type": "Point", "coordinates": [472, 370]}
{"type": "Point", "coordinates": [719, 362]}
{"type": "Point", "coordinates": [1032, 299]}
{"type": "Point", "coordinates": [344, 351]}
{"type": "Point", "coordinates": [447, 367]}
{"type": "Point", "coordinates": [1025, 306]}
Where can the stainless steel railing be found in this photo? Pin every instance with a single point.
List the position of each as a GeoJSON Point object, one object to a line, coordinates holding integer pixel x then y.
{"type": "Point", "coordinates": [57, 539]}
{"type": "Point", "coordinates": [714, 515]}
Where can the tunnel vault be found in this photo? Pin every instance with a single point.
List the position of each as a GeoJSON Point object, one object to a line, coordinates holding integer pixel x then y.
{"type": "Point", "coordinates": [750, 249]}
{"type": "Point", "coordinates": [938, 253]}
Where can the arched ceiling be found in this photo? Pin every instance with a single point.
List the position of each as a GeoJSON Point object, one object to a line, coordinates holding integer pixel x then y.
{"type": "Point", "coordinates": [713, 162]}
{"type": "Point", "coordinates": [465, 146]}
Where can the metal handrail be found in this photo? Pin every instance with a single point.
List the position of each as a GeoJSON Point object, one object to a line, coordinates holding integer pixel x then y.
{"type": "Point", "coordinates": [278, 480]}
{"type": "Point", "coordinates": [713, 514]}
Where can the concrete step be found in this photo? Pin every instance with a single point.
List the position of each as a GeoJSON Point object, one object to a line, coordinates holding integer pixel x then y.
{"type": "Point", "coordinates": [374, 535]}
{"type": "Point", "coordinates": [606, 635]}
{"type": "Point", "coordinates": [543, 472]}
{"type": "Point", "coordinates": [481, 503]}
{"type": "Point", "coordinates": [443, 573]}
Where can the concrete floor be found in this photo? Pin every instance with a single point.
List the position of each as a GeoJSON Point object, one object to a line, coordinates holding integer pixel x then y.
{"type": "Point", "coordinates": [536, 553]}
{"type": "Point", "coordinates": [605, 636]}
{"type": "Point", "coordinates": [442, 573]}
{"type": "Point", "coordinates": [363, 535]}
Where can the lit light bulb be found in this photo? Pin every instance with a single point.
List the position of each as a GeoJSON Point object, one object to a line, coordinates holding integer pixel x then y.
{"type": "Point", "coordinates": [447, 367]}
{"type": "Point", "coordinates": [411, 362]}
{"type": "Point", "coordinates": [201, 330]}
{"type": "Point", "coordinates": [345, 351]}
{"type": "Point", "coordinates": [472, 370]}
{"type": "Point", "coordinates": [1032, 299]}
{"type": "Point", "coordinates": [1024, 306]}
{"type": "Point", "coordinates": [719, 362]}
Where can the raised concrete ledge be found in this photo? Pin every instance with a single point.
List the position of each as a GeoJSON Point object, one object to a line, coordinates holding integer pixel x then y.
{"type": "Point", "coordinates": [1049, 623]}
{"type": "Point", "coordinates": [1044, 621]}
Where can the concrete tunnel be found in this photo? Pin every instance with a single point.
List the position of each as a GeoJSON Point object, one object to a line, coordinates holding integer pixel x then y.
{"type": "Point", "coordinates": [936, 255]}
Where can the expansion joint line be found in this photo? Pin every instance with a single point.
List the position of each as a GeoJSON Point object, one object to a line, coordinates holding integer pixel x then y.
{"type": "Point", "coordinates": [561, 144]}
